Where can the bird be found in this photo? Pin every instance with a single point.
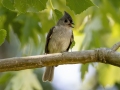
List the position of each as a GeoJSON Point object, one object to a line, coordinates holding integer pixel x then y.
{"type": "Point", "coordinates": [58, 40]}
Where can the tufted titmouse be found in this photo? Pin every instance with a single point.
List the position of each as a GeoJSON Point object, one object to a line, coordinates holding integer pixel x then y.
{"type": "Point", "coordinates": [58, 40]}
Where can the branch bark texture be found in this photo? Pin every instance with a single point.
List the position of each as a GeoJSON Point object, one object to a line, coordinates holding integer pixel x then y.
{"type": "Point", "coordinates": [103, 55]}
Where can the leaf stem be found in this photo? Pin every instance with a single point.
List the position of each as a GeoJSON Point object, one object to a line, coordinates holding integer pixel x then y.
{"type": "Point", "coordinates": [51, 4]}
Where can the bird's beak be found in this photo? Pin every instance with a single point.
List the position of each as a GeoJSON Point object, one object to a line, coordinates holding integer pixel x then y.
{"type": "Point", "coordinates": [71, 24]}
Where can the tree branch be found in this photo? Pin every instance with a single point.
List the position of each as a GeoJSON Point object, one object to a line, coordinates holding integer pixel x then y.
{"type": "Point", "coordinates": [103, 55]}
{"type": "Point", "coordinates": [116, 46]}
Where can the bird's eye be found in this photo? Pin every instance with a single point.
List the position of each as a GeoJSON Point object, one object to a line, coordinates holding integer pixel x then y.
{"type": "Point", "coordinates": [71, 21]}
{"type": "Point", "coordinates": [66, 21]}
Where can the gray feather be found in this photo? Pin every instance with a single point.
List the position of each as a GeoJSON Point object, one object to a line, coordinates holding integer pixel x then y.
{"type": "Point", "coordinates": [48, 74]}
{"type": "Point", "coordinates": [58, 40]}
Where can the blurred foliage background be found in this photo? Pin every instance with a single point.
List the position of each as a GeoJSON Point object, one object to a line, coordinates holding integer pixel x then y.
{"type": "Point", "coordinates": [25, 23]}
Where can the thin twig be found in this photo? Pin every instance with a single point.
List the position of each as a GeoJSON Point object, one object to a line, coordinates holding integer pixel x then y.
{"type": "Point", "coordinates": [116, 46]}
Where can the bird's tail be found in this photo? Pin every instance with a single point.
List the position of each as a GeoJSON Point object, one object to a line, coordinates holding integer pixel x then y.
{"type": "Point", "coordinates": [48, 74]}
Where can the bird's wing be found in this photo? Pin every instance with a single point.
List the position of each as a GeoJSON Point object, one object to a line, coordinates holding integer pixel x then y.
{"type": "Point", "coordinates": [47, 39]}
{"type": "Point", "coordinates": [71, 40]}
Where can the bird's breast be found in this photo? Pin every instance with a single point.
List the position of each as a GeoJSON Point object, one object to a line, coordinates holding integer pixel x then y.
{"type": "Point", "coordinates": [60, 40]}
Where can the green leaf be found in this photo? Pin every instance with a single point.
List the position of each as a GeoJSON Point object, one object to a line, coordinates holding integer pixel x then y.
{"type": "Point", "coordinates": [79, 6]}
{"type": "Point", "coordinates": [112, 9]}
{"type": "Point", "coordinates": [96, 31]}
{"type": "Point", "coordinates": [10, 16]}
{"type": "Point", "coordinates": [4, 77]}
{"type": "Point", "coordinates": [116, 3]}
{"type": "Point", "coordinates": [9, 4]}
{"type": "Point", "coordinates": [24, 80]}
{"type": "Point", "coordinates": [3, 34]}
{"type": "Point", "coordinates": [58, 14]}
{"type": "Point", "coordinates": [84, 69]}
{"type": "Point", "coordinates": [73, 44]}
{"type": "Point", "coordinates": [108, 74]}
{"type": "Point", "coordinates": [47, 21]}
{"type": "Point", "coordinates": [23, 6]}
{"type": "Point", "coordinates": [26, 27]}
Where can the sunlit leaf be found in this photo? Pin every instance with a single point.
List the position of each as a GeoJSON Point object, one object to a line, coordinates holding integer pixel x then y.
{"type": "Point", "coordinates": [4, 77]}
{"type": "Point", "coordinates": [73, 44]}
{"type": "Point", "coordinates": [79, 6]}
{"type": "Point", "coordinates": [108, 9]}
{"type": "Point", "coordinates": [108, 75]}
{"type": "Point", "coordinates": [26, 27]}
{"type": "Point", "coordinates": [47, 21]}
{"type": "Point", "coordinates": [95, 34]}
{"type": "Point", "coordinates": [3, 34]}
{"type": "Point", "coordinates": [84, 70]}
{"type": "Point", "coordinates": [24, 80]}
{"type": "Point", "coordinates": [30, 5]}
{"type": "Point", "coordinates": [22, 6]}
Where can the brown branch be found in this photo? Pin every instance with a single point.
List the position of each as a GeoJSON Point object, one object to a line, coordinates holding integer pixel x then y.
{"type": "Point", "coordinates": [116, 46]}
{"type": "Point", "coordinates": [103, 55]}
